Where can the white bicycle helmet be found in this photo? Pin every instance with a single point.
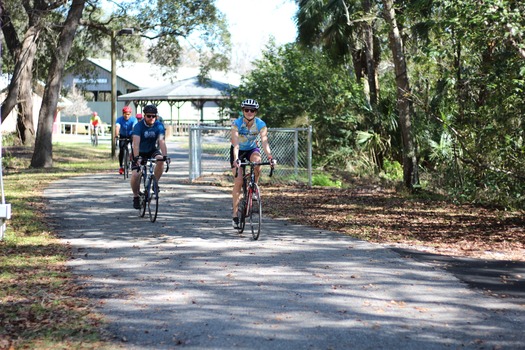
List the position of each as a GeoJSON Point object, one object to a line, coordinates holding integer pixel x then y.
{"type": "Point", "coordinates": [250, 103]}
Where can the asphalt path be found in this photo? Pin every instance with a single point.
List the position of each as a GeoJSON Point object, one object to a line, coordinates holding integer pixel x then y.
{"type": "Point", "coordinates": [190, 281]}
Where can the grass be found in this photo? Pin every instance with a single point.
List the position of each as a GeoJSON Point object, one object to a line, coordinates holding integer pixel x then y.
{"type": "Point", "coordinates": [39, 300]}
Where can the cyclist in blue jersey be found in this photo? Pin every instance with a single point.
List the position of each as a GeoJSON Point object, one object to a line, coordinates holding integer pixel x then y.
{"type": "Point", "coordinates": [148, 142]}
{"type": "Point", "coordinates": [123, 129]}
{"type": "Point", "coordinates": [244, 133]}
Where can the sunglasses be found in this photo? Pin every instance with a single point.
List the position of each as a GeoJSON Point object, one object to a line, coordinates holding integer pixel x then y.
{"type": "Point", "coordinates": [150, 116]}
{"type": "Point", "coordinates": [250, 110]}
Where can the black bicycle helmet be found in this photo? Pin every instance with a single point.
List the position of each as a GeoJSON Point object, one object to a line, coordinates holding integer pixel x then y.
{"type": "Point", "coordinates": [250, 103]}
{"type": "Point", "coordinates": [150, 109]}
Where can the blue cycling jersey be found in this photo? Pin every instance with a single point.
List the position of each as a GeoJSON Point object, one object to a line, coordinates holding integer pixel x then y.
{"type": "Point", "coordinates": [126, 126]}
{"type": "Point", "coordinates": [248, 137]}
{"type": "Point", "coordinates": [148, 135]}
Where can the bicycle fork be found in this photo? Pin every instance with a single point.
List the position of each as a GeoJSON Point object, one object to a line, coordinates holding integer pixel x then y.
{"type": "Point", "coordinates": [144, 195]}
{"type": "Point", "coordinates": [249, 200]}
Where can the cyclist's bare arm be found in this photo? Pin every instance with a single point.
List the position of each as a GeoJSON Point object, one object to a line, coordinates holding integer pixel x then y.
{"type": "Point", "coordinates": [235, 142]}
{"type": "Point", "coordinates": [265, 144]}
{"type": "Point", "coordinates": [162, 145]}
{"type": "Point", "coordinates": [135, 145]}
{"type": "Point", "coordinates": [117, 130]}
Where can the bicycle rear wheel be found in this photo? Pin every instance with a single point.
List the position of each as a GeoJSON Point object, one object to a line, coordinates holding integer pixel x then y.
{"type": "Point", "coordinates": [255, 211]}
{"type": "Point", "coordinates": [153, 199]}
{"type": "Point", "coordinates": [143, 194]}
{"type": "Point", "coordinates": [241, 213]}
{"type": "Point", "coordinates": [126, 162]}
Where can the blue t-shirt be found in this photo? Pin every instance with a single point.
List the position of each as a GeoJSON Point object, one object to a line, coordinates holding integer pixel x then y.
{"type": "Point", "coordinates": [126, 126]}
{"type": "Point", "coordinates": [148, 135]}
{"type": "Point", "coordinates": [248, 137]}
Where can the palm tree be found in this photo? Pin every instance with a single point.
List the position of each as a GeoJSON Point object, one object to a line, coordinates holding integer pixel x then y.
{"type": "Point", "coordinates": [337, 26]}
{"type": "Point", "coordinates": [341, 29]}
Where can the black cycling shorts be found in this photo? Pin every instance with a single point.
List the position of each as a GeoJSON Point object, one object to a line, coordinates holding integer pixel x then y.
{"type": "Point", "coordinates": [243, 155]}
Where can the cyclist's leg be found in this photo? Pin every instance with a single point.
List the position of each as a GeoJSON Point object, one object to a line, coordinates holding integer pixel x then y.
{"type": "Point", "coordinates": [236, 192]}
{"type": "Point", "coordinates": [159, 168]}
{"type": "Point", "coordinates": [121, 144]}
{"type": "Point", "coordinates": [255, 157]}
{"type": "Point", "coordinates": [126, 161]}
{"type": "Point", "coordinates": [237, 182]}
{"type": "Point", "coordinates": [135, 180]}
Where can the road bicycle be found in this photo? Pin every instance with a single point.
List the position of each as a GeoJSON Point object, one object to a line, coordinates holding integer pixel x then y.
{"type": "Point", "coordinates": [149, 188]}
{"type": "Point", "coordinates": [250, 204]}
{"type": "Point", "coordinates": [94, 136]}
{"type": "Point", "coordinates": [126, 157]}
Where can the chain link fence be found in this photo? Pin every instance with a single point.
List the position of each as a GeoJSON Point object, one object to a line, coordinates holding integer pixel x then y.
{"type": "Point", "coordinates": [292, 148]}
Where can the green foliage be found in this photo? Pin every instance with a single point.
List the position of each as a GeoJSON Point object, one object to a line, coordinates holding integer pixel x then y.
{"type": "Point", "coordinates": [392, 171]}
{"type": "Point", "coordinates": [465, 66]}
{"type": "Point", "coordinates": [468, 88]}
{"type": "Point", "coordinates": [325, 180]}
{"type": "Point", "coordinates": [169, 22]}
{"type": "Point", "coordinates": [10, 139]}
{"type": "Point", "coordinates": [374, 146]}
{"type": "Point", "coordinates": [298, 87]}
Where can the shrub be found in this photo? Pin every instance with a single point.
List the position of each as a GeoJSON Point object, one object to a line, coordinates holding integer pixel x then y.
{"type": "Point", "coordinates": [325, 180]}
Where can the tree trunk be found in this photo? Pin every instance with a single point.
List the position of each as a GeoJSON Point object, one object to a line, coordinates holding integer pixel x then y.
{"type": "Point", "coordinates": [13, 45]}
{"type": "Point", "coordinates": [43, 153]}
{"type": "Point", "coordinates": [26, 129]}
{"type": "Point", "coordinates": [24, 56]}
{"type": "Point", "coordinates": [410, 166]}
{"type": "Point", "coordinates": [368, 38]}
{"type": "Point", "coordinates": [20, 88]}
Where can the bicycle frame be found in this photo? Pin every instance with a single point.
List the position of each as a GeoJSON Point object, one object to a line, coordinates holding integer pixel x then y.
{"type": "Point", "coordinates": [250, 195]}
{"type": "Point", "coordinates": [127, 156]}
{"type": "Point", "coordinates": [127, 141]}
{"type": "Point", "coordinates": [149, 194]}
{"type": "Point", "coordinates": [94, 135]}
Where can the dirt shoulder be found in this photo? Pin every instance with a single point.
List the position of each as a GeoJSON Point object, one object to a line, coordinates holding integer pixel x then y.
{"type": "Point", "coordinates": [382, 215]}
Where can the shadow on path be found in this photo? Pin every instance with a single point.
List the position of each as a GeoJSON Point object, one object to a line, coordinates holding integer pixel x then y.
{"type": "Point", "coordinates": [500, 278]}
{"type": "Point", "coordinates": [190, 280]}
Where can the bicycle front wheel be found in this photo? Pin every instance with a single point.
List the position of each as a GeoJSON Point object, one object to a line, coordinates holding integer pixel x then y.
{"type": "Point", "coordinates": [241, 213]}
{"type": "Point", "coordinates": [143, 195]}
{"type": "Point", "coordinates": [255, 211]}
{"type": "Point", "coordinates": [153, 202]}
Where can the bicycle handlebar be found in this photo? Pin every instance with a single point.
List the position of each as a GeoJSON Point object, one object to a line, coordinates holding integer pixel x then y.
{"type": "Point", "coordinates": [254, 164]}
{"type": "Point", "coordinates": [155, 160]}
{"type": "Point", "coordinates": [129, 139]}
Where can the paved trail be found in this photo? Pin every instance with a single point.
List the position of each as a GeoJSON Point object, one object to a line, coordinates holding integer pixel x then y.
{"type": "Point", "coordinates": [190, 281]}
